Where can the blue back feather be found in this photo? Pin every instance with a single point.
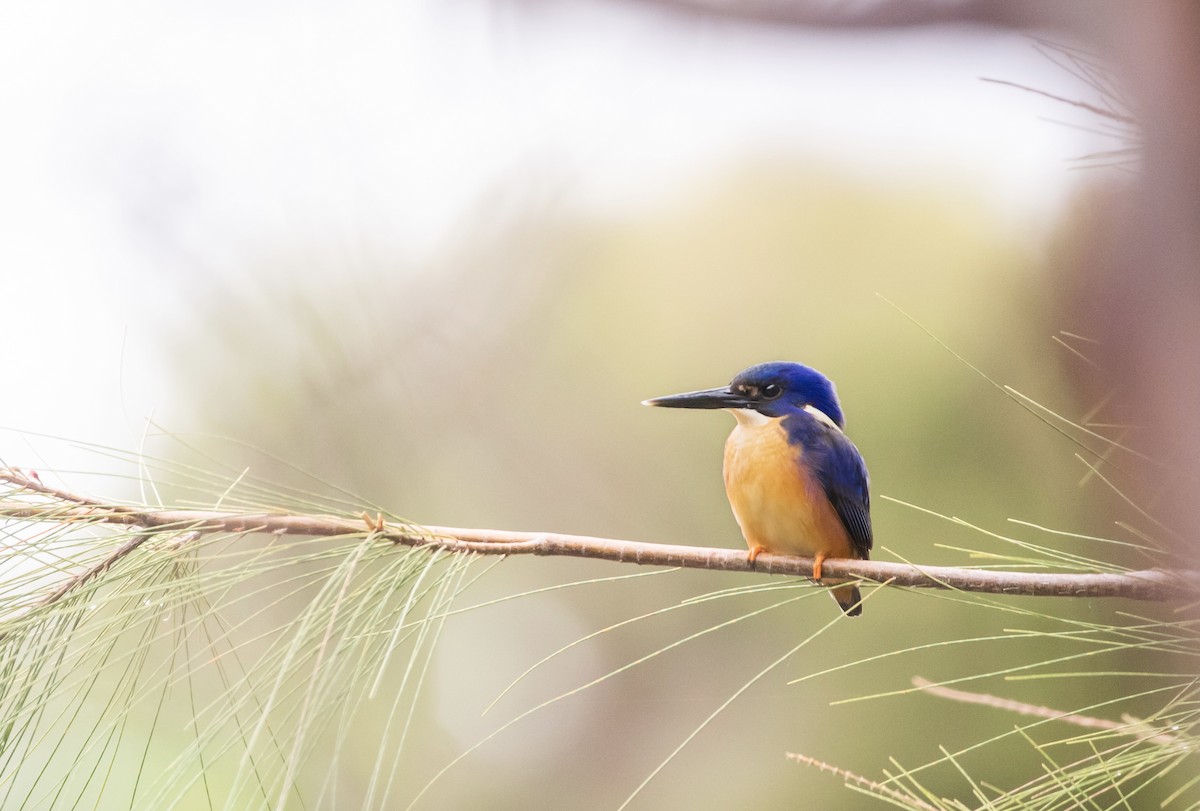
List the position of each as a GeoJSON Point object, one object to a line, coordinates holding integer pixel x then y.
{"type": "Point", "coordinates": [840, 469]}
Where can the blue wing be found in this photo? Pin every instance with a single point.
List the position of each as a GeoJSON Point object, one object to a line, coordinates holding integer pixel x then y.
{"type": "Point", "coordinates": [840, 468]}
{"type": "Point", "coordinates": [846, 483]}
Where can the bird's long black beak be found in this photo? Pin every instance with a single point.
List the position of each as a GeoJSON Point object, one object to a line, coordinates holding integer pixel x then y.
{"type": "Point", "coordinates": [708, 398]}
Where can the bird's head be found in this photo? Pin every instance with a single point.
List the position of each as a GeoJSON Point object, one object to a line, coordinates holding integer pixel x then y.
{"type": "Point", "coordinates": [775, 389]}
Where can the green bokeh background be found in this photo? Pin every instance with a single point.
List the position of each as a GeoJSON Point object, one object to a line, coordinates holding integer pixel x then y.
{"type": "Point", "coordinates": [499, 386]}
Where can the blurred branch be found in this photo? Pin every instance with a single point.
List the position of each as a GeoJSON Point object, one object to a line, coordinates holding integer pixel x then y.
{"type": "Point", "coordinates": [1127, 726]}
{"type": "Point", "coordinates": [904, 800]}
{"type": "Point", "coordinates": [878, 14]}
{"type": "Point", "coordinates": [64, 507]}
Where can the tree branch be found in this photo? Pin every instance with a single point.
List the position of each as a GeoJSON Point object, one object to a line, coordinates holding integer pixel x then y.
{"type": "Point", "coordinates": [1129, 725]}
{"type": "Point", "coordinates": [902, 799]}
{"type": "Point", "coordinates": [64, 507]}
{"type": "Point", "coordinates": [1021, 14]}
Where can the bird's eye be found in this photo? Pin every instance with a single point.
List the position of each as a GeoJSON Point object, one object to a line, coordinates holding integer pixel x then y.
{"type": "Point", "coordinates": [771, 391]}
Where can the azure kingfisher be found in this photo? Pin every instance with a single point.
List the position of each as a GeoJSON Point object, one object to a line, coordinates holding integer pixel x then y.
{"type": "Point", "coordinates": [796, 483]}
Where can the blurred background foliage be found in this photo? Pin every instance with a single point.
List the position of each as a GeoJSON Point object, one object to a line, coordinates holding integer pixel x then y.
{"type": "Point", "coordinates": [499, 387]}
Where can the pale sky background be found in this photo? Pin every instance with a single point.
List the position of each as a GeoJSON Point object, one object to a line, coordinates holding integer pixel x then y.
{"type": "Point", "coordinates": [143, 142]}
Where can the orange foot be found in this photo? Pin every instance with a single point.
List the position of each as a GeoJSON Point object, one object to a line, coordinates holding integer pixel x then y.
{"type": "Point", "coordinates": [755, 551]}
{"type": "Point", "coordinates": [373, 525]}
{"type": "Point", "coordinates": [818, 562]}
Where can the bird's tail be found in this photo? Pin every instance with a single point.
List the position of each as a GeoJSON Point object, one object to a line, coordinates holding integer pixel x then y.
{"type": "Point", "coordinates": [849, 598]}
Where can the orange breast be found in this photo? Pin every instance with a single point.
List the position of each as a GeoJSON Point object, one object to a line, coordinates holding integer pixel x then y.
{"type": "Point", "coordinates": [778, 504]}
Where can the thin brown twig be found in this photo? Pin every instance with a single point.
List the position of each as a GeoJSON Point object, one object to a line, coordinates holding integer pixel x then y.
{"type": "Point", "coordinates": [63, 507]}
{"type": "Point", "coordinates": [1129, 726]}
{"type": "Point", "coordinates": [95, 570]}
{"type": "Point", "coordinates": [1112, 115]}
{"type": "Point", "coordinates": [865, 782]}
{"type": "Point", "coordinates": [107, 563]}
{"type": "Point", "coordinates": [32, 482]}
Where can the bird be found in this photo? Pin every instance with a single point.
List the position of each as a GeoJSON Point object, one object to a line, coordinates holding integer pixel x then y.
{"type": "Point", "coordinates": [795, 481]}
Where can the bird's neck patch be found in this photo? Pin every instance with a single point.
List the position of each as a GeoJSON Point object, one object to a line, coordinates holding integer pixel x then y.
{"type": "Point", "coordinates": [749, 417]}
{"type": "Point", "coordinates": [821, 416]}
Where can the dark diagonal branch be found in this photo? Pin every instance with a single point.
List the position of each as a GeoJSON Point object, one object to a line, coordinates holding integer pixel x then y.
{"type": "Point", "coordinates": [63, 507]}
{"type": "Point", "coordinates": [104, 565]}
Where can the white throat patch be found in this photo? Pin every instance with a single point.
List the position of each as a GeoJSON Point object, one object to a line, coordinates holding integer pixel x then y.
{"type": "Point", "coordinates": [748, 416]}
{"type": "Point", "coordinates": [821, 416]}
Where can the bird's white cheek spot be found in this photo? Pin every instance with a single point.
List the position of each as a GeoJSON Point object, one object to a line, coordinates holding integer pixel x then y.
{"type": "Point", "coordinates": [821, 416]}
{"type": "Point", "coordinates": [748, 416]}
